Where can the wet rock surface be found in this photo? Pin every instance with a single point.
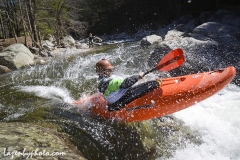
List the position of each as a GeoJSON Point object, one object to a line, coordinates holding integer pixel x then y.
{"type": "Point", "coordinates": [22, 141]}
{"type": "Point", "coordinates": [103, 139]}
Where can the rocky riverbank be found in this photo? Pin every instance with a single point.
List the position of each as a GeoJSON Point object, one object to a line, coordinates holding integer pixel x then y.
{"type": "Point", "coordinates": [15, 56]}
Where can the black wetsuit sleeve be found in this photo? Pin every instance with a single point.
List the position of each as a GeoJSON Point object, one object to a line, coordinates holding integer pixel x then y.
{"type": "Point", "coordinates": [102, 86]}
{"type": "Point", "coordinates": [128, 82]}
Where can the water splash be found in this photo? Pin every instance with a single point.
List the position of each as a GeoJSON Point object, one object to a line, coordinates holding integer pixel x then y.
{"type": "Point", "coordinates": [217, 118]}
{"type": "Point", "coordinates": [69, 79]}
{"type": "Point", "coordinates": [48, 92]}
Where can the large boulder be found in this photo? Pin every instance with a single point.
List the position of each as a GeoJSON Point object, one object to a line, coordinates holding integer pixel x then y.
{"type": "Point", "coordinates": [149, 40]}
{"type": "Point", "coordinates": [16, 56]}
{"type": "Point", "coordinates": [9, 41]}
{"type": "Point", "coordinates": [219, 32]}
{"type": "Point", "coordinates": [67, 41]}
{"type": "Point", "coordinates": [173, 34]}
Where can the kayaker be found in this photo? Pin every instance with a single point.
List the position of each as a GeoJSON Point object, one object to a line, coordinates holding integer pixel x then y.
{"type": "Point", "coordinates": [90, 40]}
{"type": "Point", "coordinates": [118, 91]}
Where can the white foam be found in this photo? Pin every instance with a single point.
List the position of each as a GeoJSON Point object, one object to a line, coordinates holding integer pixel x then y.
{"type": "Point", "coordinates": [48, 92]}
{"type": "Point", "coordinates": [217, 119]}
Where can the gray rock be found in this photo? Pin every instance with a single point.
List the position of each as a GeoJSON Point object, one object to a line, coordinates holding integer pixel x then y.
{"type": "Point", "coordinates": [4, 69]}
{"type": "Point", "coordinates": [19, 138]}
{"type": "Point", "coordinates": [157, 54]}
{"type": "Point", "coordinates": [226, 17]}
{"type": "Point", "coordinates": [217, 31]}
{"type": "Point", "coordinates": [48, 45]}
{"type": "Point", "coordinates": [149, 40]}
{"type": "Point", "coordinates": [97, 39]}
{"type": "Point", "coordinates": [67, 41]}
{"type": "Point", "coordinates": [16, 56]}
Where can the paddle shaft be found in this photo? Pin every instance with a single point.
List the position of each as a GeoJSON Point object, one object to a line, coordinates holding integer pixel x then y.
{"type": "Point", "coordinates": [158, 67]}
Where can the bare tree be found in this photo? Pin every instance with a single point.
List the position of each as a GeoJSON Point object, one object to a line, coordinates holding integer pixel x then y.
{"type": "Point", "coordinates": [59, 33]}
{"type": "Point", "coordinates": [9, 15]}
{"type": "Point", "coordinates": [31, 7]}
{"type": "Point", "coordinates": [23, 22]}
{"type": "Point", "coordinates": [2, 26]}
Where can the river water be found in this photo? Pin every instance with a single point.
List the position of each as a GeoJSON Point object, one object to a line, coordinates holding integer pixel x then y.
{"type": "Point", "coordinates": [38, 93]}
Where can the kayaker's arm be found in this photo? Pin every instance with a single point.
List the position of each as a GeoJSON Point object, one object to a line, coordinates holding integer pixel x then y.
{"type": "Point", "coordinates": [128, 82]}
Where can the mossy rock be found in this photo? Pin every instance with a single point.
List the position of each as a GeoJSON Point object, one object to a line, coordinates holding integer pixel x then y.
{"type": "Point", "coordinates": [19, 138]}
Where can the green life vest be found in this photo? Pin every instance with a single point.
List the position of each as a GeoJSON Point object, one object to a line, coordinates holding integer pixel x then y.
{"type": "Point", "coordinates": [113, 85]}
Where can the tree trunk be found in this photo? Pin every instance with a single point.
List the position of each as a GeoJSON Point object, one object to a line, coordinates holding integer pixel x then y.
{"type": "Point", "coordinates": [23, 23]}
{"type": "Point", "coordinates": [59, 33]}
{"type": "Point", "coordinates": [2, 27]}
{"type": "Point", "coordinates": [32, 20]}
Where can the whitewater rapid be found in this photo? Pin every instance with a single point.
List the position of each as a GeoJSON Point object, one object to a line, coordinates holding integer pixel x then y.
{"type": "Point", "coordinates": [217, 120]}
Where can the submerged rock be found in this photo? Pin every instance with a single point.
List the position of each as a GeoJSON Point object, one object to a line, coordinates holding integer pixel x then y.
{"type": "Point", "coordinates": [4, 69]}
{"type": "Point", "coordinates": [163, 136]}
{"type": "Point", "coordinates": [22, 141]}
{"type": "Point", "coordinates": [97, 138]}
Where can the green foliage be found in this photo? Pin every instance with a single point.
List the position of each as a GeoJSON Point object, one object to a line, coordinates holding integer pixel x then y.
{"type": "Point", "coordinates": [51, 15]}
{"type": "Point", "coordinates": [79, 17]}
{"type": "Point", "coordinates": [45, 29]}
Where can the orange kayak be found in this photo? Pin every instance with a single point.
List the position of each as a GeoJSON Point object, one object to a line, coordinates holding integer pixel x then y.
{"type": "Point", "coordinates": [173, 95]}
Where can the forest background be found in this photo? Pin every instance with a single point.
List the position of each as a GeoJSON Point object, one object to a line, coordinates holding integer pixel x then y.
{"type": "Point", "coordinates": [38, 18]}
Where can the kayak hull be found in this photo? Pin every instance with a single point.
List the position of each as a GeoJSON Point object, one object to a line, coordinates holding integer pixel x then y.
{"type": "Point", "coordinates": [173, 95]}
